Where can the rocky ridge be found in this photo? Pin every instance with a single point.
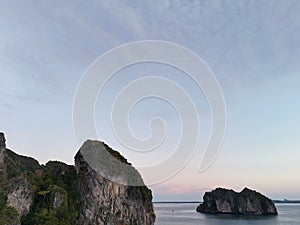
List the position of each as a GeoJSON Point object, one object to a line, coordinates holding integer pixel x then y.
{"type": "Point", "coordinates": [61, 194]}
{"type": "Point", "coordinates": [246, 202]}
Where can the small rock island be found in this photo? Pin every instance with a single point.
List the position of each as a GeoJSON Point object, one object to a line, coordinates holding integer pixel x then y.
{"type": "Point", "coordinates": [246, 202]}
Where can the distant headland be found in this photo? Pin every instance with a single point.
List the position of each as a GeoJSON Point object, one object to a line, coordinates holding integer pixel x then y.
{"type": "Point", "coordinates": [285, 201]}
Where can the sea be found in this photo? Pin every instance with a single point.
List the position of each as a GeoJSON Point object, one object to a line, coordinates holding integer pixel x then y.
{"type": "Point", "coordinates": [185, 214]}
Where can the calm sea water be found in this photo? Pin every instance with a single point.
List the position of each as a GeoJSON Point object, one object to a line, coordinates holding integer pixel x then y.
{"type": "Point", "coordinates": [185, 214]}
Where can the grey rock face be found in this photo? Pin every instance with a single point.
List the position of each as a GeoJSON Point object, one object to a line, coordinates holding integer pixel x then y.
{"type": "Point", "coordinates": [104, 202]}
{"type": "Point", "coordinates": [58, 199]}
{"type": "Point", "coordinates": [1, 165]}
{"type": "Point", "coordinates": [2, 149]}
{"type": "Point", "coordinates": [20, 195]}
{"type": "Point", "coordinates": [247, 202]}
{"type": "Point", "coordinates": [2, 141]}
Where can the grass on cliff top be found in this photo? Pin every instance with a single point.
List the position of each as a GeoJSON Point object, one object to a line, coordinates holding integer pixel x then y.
{"type": "Point", "coordinates": [116, 154]}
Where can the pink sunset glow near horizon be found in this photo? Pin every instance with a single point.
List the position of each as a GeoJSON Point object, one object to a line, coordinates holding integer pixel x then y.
{"type": "Point", "coordinates": [251, 47]}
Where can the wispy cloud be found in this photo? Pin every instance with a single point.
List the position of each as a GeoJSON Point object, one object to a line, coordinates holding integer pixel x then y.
{"type": "Point", "coordinates": [251, 46]}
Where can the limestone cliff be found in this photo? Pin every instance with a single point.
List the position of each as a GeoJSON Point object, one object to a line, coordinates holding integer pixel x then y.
{"type": "Point", "coordinates": [247, 202]}
{"type": "Point", "coordinates": [2, 150]}
{"type": "Point", "coordinates": [106, 202]}
{"type": "Point", "coordinates": [60, 194]}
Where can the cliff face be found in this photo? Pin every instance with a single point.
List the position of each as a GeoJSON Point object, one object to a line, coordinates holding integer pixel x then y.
{"type": "Point", "coordinates": [20, 195]}
{"type": "Point", "coordinates": [107, 202]}
{"type": "Point", "coordinates": [2, 150]}
{"type": "Point", "coordinates": [60, 194]}
{"type": "Point", "coordinates": [2, 141]}
{"type": "Point", "coordinates": [247, 202]}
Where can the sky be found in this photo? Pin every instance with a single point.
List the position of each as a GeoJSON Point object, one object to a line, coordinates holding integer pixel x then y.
{"type": "Point", "coordinates": [252, 47]}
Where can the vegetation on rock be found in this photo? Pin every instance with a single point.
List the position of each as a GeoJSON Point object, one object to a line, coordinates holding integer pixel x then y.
{"type": "Point", "coordinates": [55, 177]}
{"type": "Point", "coordinates": [60, 194]}
{"type": "Point", "coordinates": [246, 202]}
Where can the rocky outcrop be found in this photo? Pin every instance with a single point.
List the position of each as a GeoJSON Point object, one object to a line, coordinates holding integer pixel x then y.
{"type": "Point", "coordinates": [61, 194]}
{"type": "Point", "coordinates": [106, 202]}
{"type": "Point", "coordinates": [2, 165]}
{"type": "Point", "coordinates": [2, 141]}
{"type": "Point", "coordinates": [59, 198]}
{"type": "Point", "coordinates": [2, 150]}
{"type": "Point", "coordinates": [246, 202]}
{"type": "Point", "coordinates": [20, 195]}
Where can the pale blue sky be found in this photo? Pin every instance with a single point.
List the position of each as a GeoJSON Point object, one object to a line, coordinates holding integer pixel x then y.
{"type": "Point", "coordinates": [252, 47]}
